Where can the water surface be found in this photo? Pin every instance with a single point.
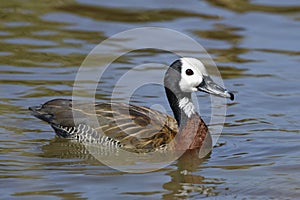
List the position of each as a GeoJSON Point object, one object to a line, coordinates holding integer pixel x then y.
{"type": "Point", "coordinates": [254, 43]}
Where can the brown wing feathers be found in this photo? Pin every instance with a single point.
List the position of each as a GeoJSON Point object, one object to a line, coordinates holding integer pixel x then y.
{"type": "Point", "coordinates": [135, 128]}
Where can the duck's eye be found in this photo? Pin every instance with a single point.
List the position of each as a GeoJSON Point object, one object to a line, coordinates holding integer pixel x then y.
{"type": "Point", "coordinates": [189, 72]}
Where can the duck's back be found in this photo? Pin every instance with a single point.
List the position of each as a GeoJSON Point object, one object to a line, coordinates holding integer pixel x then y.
{"type": "Point", "coordinates": [134, 128]}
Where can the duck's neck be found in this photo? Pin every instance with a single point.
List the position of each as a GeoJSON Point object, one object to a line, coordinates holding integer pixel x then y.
{"type": "Point", "coordinates": [193, 133]}
{"type": "Point", "coordinates": [182, 106]}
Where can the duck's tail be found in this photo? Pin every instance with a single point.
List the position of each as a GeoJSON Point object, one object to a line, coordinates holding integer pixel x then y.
{"type": "Point", "coordinates": [38, 112]}
{"type": "Point", "coordinates": [55, 112]}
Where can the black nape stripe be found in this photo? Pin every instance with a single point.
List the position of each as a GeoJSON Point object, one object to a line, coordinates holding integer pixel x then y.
{"type": "Point", "coordinates": [176, 65]}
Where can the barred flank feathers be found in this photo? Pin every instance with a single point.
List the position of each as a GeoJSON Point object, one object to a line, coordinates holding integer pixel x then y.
{"type": "Point", "coordinates": [85, 133]}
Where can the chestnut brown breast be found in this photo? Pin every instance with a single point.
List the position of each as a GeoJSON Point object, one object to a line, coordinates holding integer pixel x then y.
{"type": "Point", "coordinates": [193, 135]}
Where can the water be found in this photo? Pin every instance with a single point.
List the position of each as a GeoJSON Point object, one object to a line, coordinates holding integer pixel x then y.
{"type": "Point", "coordinates": [256, 46]}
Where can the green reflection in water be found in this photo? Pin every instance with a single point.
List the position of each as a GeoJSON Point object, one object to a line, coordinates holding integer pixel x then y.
{"type": "Point", "coordinates": [31, 40]}
{"type": "Point", "coordinates": [130, 15]}
{"type": "Point", "coordinates": [247, 6]}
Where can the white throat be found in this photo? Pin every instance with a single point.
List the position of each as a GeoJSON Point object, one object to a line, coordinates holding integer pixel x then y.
{"type": "Point", "coordinates": [187, 106]}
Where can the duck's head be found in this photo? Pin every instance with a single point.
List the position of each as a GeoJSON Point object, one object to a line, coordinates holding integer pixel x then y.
{"type": "Point", "coordinates": [183, 77]}
{"type": "Point", "coordinates": [188, 75]}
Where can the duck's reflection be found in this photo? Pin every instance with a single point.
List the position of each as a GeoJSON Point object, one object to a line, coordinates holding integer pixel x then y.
{"type": "Point", "coordinates": [185, 179]}
{"type": "Point", "coordinates": [67, 149]}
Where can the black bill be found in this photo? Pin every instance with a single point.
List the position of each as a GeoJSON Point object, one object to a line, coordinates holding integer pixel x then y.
{"type": "Point", "coordinates": [209, 86]}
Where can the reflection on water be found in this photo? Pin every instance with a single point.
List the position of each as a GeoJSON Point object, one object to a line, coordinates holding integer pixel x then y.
{"type": "Point", "coordinates": [255, 44]}
{"type": "Point", "coordinates": [247, 6]}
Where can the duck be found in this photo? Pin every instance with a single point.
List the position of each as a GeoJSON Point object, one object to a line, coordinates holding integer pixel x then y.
{"type": "Point", "coordinates": [140, 129]}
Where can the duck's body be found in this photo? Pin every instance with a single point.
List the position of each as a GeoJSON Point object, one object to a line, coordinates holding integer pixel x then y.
{"type": "Point", "coordinates": [138, 128]}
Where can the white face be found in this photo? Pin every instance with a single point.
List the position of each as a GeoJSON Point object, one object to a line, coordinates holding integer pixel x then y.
{"type": "Point", "coordinates": [192, 71]}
